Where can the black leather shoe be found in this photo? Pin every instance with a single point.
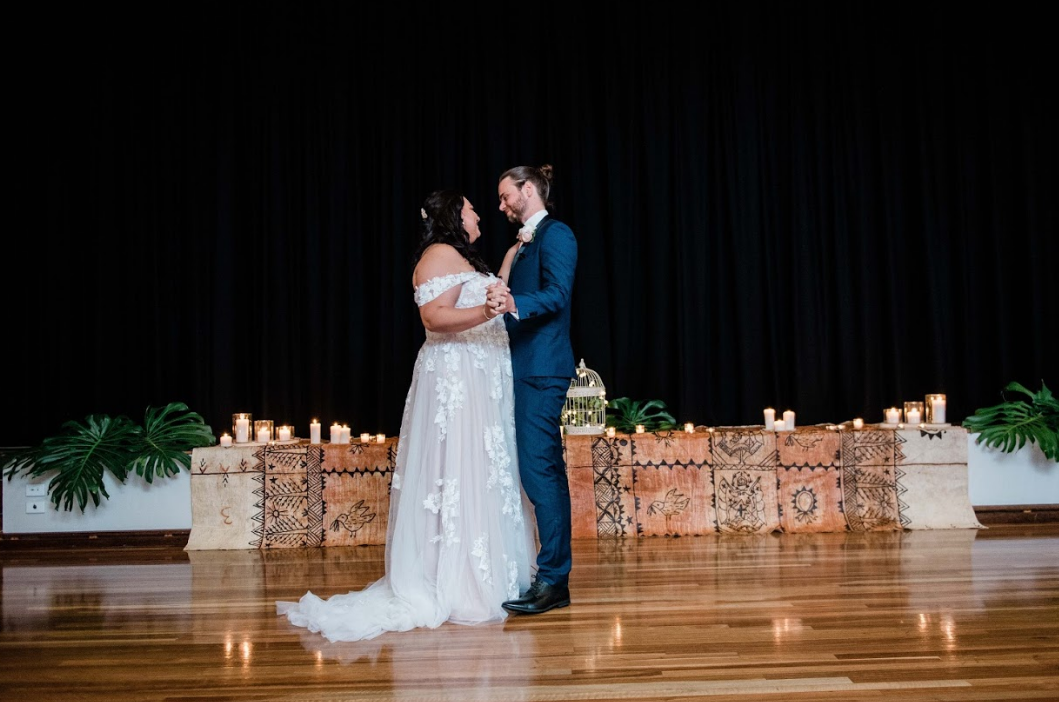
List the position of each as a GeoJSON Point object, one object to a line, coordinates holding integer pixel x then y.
{"type": "Point", "coordinates": [539, 598]}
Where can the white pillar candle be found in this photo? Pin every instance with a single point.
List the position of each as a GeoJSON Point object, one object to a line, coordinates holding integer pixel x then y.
{"type": "Point", "coordinates": [365, 438]}
{"type": "Point", "coordinates": [226, 440]}
{"type": "Point", "coordinates": [381, 438]}
{"type": "Point", "coordinates": [263, 436]}
{"type": "Point", "coordinates": [770, 419]}
{"type": "Point", "coordinates": [611, 432]}
{"type": "Point", "coordinates": [345, 433]}
{"type": "Point", "coordinates": [858, 423]}
{"type": "Point", "coordinates": [893, 415]}
{"type": "Point", "coordinates": [936, 408]}
{"type": "Point", "coordinates": [779, 425]}
{"type": "Point", "coordinates": [336, 433]}
{"type": "Point", "coordinates": [788, 420]}
{"type": "Point", "coordinates": [314, 432]}
{"type": "Point", "coordinates": [283, 433]}
{"type": "Point", "coordinates": [242, 431]}
{"type": "Point", "coordinates": [913, 416]}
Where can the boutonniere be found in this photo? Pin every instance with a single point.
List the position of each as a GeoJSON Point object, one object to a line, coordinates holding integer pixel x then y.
{"type": "Point", "coordinates": [525, 235]}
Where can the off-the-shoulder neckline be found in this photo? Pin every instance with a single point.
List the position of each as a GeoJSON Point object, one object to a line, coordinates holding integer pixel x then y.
{"type": "Point", "coordinates": [450, 275]}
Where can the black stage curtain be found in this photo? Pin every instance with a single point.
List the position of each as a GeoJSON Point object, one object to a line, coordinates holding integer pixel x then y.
{"type": "Point", "coordinates": [830, 208]}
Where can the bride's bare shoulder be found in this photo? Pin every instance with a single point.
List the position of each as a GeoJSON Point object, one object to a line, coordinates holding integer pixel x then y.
{"type": "Point", "coordinates": [439, 260]}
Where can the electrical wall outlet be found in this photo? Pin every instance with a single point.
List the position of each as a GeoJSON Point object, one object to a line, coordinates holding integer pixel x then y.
{"type": "Point", "coordinates": [35, 506]}
{"type": "Point", "coordinates": [38, 490]}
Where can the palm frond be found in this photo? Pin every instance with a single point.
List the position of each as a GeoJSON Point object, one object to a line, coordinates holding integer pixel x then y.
{"type": "Point", "coordinates": [83, 453]}
{"type": "Point", "coordinates": [79, 457]}
{"type": "Point", "coordinates": [624, 414]}
{"type": "Point", "coordinates": [1011, 424]}
{"type": "Point", "coordinates": [169, 433]}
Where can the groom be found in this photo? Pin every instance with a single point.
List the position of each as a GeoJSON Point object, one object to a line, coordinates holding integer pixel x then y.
{"type": "Point", "coordinates": [537, 303]}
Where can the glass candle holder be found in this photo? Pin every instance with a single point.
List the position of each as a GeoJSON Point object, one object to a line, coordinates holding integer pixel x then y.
{"type": "Point", "coordinates": [284, 432]}
{"type": "Point", "coordinates": [892, 414]}
{"type": "Point", "coordinates": [263, 430]}
{"type": "Point", "coordinates": [914, 413]}
{"type": "Point", "coordinates": [241, 423]}
{"type": "Point", "coordinates": [935, 413]}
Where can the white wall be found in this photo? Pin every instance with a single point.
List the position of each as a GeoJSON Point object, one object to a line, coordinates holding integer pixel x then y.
{"type": "Point", "coordinates": [132, 506]}
{"type": "Point", "coordinates": [1024, 477]}
{"type": "Point", "coordinates": [994, 478]}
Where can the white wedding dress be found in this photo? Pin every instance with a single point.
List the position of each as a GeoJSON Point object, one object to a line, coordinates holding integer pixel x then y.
{"type": "Point", "coordinates": [459, 540]}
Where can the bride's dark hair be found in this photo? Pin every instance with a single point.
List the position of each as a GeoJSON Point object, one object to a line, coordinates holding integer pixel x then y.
{"type": "Point", "coordinates": [442, 215]}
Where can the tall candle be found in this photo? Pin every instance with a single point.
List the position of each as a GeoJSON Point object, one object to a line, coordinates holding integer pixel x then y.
{"type": "Point", "coordinates": [770, 419]}
{"type": "Point", "coordinates": [936, 409]}
{"type": "Point", "coordinates": [314, 432]}
{"type": "Point", "coordinates": [788, 420]}
{"type": "Point", "coordinates": [345, 433]}
{"type": "Point", "coordinates": [242, 431]}
{"type": "Point", "coordinates": [226, 440]}
{"type": "Point", "coordinates": [893, 415]}
{"type": "Point", "coordinates": [336, 433]}
{"type": "Point", "coordinates": [283, 433]}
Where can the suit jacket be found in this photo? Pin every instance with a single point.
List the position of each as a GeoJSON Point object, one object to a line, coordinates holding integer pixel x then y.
{"type": "Point", "coordinates": [542, 283]}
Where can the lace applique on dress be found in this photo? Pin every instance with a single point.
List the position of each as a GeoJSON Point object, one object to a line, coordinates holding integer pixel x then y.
{"type": "Point", "coordinates": [447, 501]}
{"type": "Point", "coordinates": [481, 551]}
{"type": "Point", "coordinates": [500, 473]}
{"type": "Point", "coordinates": [430, 289]}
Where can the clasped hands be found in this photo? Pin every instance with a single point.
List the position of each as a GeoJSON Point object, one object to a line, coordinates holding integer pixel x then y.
{"type": "Point", "coordinates": [498, 299]}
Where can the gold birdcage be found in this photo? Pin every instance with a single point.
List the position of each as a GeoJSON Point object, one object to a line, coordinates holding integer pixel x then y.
{"type": "Point", "coordinates": [585, 411]}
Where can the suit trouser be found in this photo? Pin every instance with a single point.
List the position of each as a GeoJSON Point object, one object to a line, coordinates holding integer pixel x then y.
{"type": "Point", "coordinates": [538, 409]}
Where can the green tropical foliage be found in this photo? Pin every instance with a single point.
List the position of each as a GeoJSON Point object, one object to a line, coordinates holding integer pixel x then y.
{"type": "Point", "coordinates": [624, 414]}
{"type": "Point", "coordinates": [1012, 424]}
{"type": "Point", "coordinates": [83, 452]}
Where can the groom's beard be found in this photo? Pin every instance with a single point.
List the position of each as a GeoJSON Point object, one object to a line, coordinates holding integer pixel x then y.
{"type": "Point", "coordinates": [516, 210]}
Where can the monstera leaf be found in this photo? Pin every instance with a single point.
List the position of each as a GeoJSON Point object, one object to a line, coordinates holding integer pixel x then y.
{"type": "Point", "coordinates": [1012, 424]}
{"type": "Point", "coordinates": [168, 434]}
{"type": "Point", "coordinates": [624, 414]}
{"type": "Point", "coordinates": [82, 453]}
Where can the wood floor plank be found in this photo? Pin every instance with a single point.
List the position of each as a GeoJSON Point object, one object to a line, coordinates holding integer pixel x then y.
{"type": "Point", "coordinates": [963, 615]}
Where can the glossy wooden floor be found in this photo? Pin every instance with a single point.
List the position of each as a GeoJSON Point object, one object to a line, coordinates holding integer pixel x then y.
{"type": "Point", "coordinates": [927, 615]}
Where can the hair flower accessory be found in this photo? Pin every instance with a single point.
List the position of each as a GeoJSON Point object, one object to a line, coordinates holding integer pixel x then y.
{"type": "Point", "coordinates": [422, 213]}
{"type": "Point", "coordinates": [525, 235]}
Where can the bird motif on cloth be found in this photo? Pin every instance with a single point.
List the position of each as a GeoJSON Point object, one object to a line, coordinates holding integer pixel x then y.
{"type": "Point", "coordinates": [353, 520]}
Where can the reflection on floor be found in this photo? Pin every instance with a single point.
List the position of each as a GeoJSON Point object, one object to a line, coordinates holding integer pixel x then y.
{"type": "Point", "coordinates": [948, 614]}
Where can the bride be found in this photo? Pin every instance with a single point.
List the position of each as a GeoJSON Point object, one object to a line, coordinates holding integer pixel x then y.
{"type": "Point", "coordinates": [459, 539]}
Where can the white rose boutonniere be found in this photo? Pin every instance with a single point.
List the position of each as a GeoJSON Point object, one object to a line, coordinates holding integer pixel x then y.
{"type": "Point", "coordinates": [525, 235]}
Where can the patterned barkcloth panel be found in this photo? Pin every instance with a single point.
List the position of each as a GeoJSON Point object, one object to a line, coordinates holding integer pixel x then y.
{"type": "Point", "coordinates": [290, 495]}
{"type": "Point", "coordinates": [730, 480]}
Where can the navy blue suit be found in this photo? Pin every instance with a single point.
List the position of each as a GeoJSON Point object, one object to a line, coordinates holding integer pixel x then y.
{"type": "Point", "coordinates": [542, 359]}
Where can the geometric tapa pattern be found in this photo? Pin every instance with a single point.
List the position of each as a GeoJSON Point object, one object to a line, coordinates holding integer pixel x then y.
{"type": "Point", "coordinates": [727, 480]}
{"type": "Point", "coordinates": [290, 495]}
